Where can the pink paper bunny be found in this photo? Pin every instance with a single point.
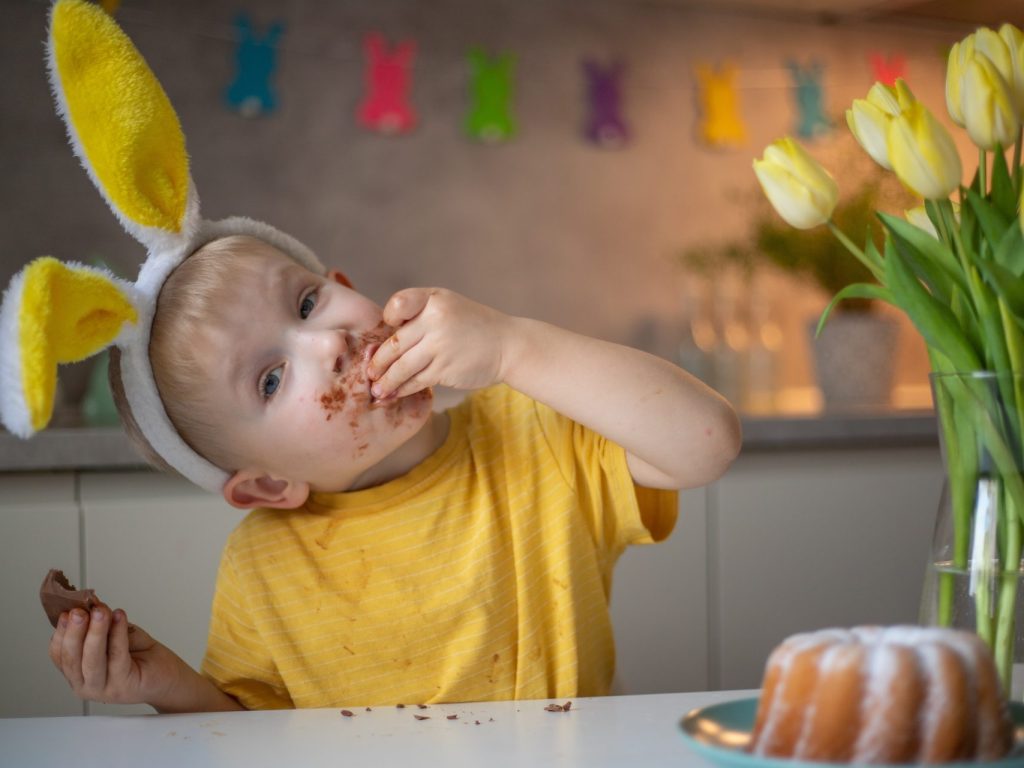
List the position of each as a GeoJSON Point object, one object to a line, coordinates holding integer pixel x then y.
{"type": "Point", "coordinates": [385, 108]}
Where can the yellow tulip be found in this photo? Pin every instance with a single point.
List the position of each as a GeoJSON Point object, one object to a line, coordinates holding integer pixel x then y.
{"type": "Point", "coordinates": [991, 44]}
{"type": "Point", "coordinates": [869, 125]}
{"type": "Point", "coordinates": [990, 115]}
{"type": "Point", "coordinates": [919, 218]}
{"type": "Point", "coordinates": [803, 193]}
{"type": "Point", "coordinates": [869, 118]}
{"type": "Point", "coordinates": [923, 154]}
{"type": "Point", "coordinates": [1014, 40]}
{"type": "Point", "coordinates": [958, 55]}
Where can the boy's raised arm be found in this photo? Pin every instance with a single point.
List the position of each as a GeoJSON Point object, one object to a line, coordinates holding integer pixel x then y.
{"type": "Point", "coordinates": [677, 432]}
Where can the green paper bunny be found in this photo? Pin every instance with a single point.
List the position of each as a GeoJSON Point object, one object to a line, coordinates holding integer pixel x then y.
{"type": "Point", "coordinates": [491, 90]}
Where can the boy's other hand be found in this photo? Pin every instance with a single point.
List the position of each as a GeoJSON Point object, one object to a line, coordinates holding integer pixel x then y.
{"type": "Point", "coordinates": [104, 659]}
{"type": "Point", "coordinates": [443, 339]}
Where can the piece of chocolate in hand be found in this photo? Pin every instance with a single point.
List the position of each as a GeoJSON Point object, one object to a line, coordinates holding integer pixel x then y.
{"type": "Point", "coordinates": [58, 595]}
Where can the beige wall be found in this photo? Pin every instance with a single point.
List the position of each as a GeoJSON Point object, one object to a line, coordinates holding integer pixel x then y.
{"type": "Point", "coordinates": [545, 226]}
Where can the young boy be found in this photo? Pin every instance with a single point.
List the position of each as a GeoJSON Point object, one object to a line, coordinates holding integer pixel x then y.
{"type": "Point", "coordinates": [398, 554]}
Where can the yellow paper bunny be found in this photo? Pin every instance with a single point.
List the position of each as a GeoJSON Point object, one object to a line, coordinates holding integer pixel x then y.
{"type": "Point", "coordinates": [721, 123]}
{"type": "Point", "coordinates": [124, 130]}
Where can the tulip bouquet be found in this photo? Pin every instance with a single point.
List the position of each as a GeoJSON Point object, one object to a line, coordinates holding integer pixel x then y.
{"type": "Point", "coordinates": [955, 267]}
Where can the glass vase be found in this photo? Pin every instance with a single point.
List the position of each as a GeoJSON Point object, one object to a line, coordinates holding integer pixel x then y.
{"type": "Point", "coordinates": [974, 578]}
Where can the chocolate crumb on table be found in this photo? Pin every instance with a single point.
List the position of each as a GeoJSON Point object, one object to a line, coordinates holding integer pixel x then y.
{"type": "Point", "coordinates": [347, 713]}
{"type": "Point", "coordinates": [399, 706]}
{"type": "Point", "coordinates": [422, 717]}
{"type": "Point", "coordinates": [453, 717]}
{"type": "Point", "coordinates": [422, 706]}
{"type": "Point", "coordinates": [558, 707]}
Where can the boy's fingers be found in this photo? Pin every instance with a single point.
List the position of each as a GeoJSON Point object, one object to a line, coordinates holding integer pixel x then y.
{"type": "Point", "coordinates": [57, 638]}
{"type": "Point", "coordinates": [71, 647]}
{"type": "Point", "coordinates": [405, 305]}
{"type": "Point", "coordinates": [94, 650]}
{"type": "Point", "coordinates": [401, 371]}
{"type": "Point", "coordinates": [396, 345]}
{"type": "Point", "coordinates": [118, 659]}
{"type": "Point", "coordinates": [422, 380]}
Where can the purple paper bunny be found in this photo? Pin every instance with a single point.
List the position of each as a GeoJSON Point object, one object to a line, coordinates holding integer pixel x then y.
{"type": "Point", "coordinates": [605, 125]}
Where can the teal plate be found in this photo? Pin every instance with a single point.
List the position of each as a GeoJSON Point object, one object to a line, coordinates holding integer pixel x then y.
{"type": "Point", "coordinates": [720, 733]}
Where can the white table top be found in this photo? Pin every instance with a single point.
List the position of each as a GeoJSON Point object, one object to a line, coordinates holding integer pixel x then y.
{"type": "Point", "coordinates": [595, 732]}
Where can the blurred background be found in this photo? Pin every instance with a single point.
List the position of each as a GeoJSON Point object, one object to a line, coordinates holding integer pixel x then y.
{"type": "Point", "coordinates": [598, 177]}
{"type": "Point", "coordinates": [623, 237]}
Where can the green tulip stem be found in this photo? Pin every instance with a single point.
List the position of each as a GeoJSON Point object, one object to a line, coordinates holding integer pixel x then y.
{"type": "Point", "coordinates": [852, 247]}
{"type": "Point", "coordinates": [982, 169]}
{"type": "Point", "coordinates": [1016, 153]}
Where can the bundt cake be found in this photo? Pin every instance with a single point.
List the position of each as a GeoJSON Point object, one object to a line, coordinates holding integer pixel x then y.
{"type": "Point", "coordinates": [882, 695]}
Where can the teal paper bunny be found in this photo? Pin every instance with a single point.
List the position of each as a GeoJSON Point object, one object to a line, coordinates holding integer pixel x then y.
{"type": "Point", "coordinates": [252, 93]}
{"type": "Point", "coordinates": [491, 90]}
{"type": "Point", "coordinates": [809, 99]}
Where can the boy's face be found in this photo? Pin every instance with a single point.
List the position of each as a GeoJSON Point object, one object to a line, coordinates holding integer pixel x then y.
{"type": "Point", "coordinates": [288, 376]}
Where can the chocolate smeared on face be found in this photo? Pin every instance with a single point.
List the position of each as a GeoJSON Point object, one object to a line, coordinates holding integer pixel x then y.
{"type": "Point", "coordinates": [353, 383]}
{"type": "Point", "coordinates": [59, 595]}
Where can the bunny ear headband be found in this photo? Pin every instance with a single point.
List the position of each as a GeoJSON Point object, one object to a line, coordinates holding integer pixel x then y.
{"type": "Point", "coordinates": [124, 131]}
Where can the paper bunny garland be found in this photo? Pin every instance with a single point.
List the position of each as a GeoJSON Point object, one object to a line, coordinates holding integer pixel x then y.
{"type": "Point", "coordinates": [126, 134]}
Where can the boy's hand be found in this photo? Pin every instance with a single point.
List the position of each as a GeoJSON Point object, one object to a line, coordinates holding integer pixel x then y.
{"type": "Point", "coordinates": [105, 661]}
{"type": "Point", "coordinates": [443, 339]}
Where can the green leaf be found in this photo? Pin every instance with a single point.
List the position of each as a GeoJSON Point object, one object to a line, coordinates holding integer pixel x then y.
{"type": "Point", "coordinates": [993, 341]}
{"type": "Point", "coordinates": [1005, 284]}
{"type": "Point", "coordinates": [855, 291]}
{"type": "Point", "coordinates": [1010, 251]}
{"type": "Point", "coordinates": [1002, 186]}
{"type": "Point", "coordinates": [993, 223]}
{"type": "Point", "coordinates": [933, 320]}
{"type": "Point", "coordinates": [930, 259]}
{"type": "Point", "coordinates": [963, 310]}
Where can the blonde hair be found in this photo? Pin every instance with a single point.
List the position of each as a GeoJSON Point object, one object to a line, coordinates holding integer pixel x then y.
{"type": "Point", "coordinates": [192, 300]}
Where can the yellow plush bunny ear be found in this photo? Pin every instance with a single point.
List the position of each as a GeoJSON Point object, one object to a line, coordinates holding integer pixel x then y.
{"type": "Point", "coordinates": [121, 125]}
{"type": "Point", "coordinates": [53, 313]}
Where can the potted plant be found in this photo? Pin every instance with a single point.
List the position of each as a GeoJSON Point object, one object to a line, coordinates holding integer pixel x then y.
{"type": "Point", "coordinates": [854, 355]}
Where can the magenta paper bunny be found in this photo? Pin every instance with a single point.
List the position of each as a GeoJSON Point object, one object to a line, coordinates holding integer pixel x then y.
{"type": "Point", "coordinates": [385, 108]}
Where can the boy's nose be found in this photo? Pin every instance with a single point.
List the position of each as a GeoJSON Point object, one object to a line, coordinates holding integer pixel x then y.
{"type": "Point", "coordinates": [332, 347]}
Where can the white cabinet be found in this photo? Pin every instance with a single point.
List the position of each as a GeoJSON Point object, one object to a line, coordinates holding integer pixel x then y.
{"type": "Point", "coordinates": [804, 540]}
{"type": "Point", "coordinates": [785, 542]}
{"type": "Point", "coordinates": [152, 547]}
{"type": "Point", "coordinates": [39, 530]}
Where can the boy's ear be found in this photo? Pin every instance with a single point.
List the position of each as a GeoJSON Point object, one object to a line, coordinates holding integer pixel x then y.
{"type": "Point", "coordinates": [339, 277]}
{"type": "Point", "coordinates": [250, 488]}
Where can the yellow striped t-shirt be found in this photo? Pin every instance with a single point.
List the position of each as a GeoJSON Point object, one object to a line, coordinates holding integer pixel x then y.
{"type": "Point", "coordinates": [484, 573]}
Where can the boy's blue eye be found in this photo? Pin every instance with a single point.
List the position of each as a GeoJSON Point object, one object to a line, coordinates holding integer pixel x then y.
{"type": "Point", "coordinates": [307, 305]}
{"type": "Point", "coordinates": [270, 382]}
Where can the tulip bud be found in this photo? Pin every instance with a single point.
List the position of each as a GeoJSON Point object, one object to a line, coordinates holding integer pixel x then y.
{"type": "Point", "coordinates": [919, 218]}
{"type": "Point", "coordinates": [993, 46]}
{"type": "Point", "coordinates": [803, 193]}
{"type": "Point", "coordinates": [869, 125]}
{"type": "Point", "coordinates": [923, 154]}
{"type": "Point", "coordinates": [958, 54]}
{"type": "Point", "coordinates": [1014, 40]}
{"type": "Point", "coordinates": [990, 115]}
{"type": "Point", "coordinates": [869, 118]}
